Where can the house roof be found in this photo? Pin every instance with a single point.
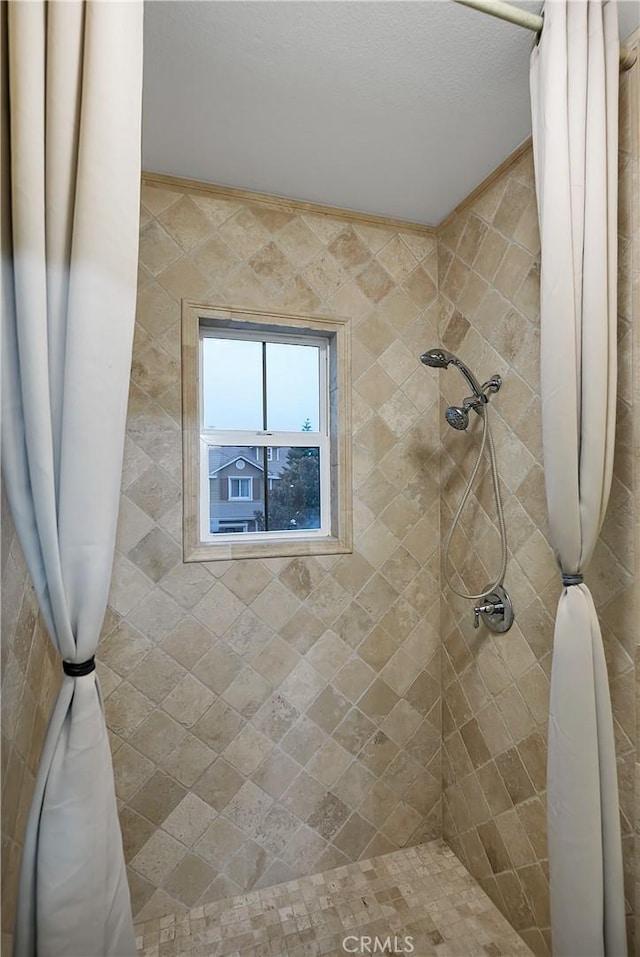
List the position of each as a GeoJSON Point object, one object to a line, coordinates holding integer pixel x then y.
{"type": "Point", "coordinates": [221, 457]}
{"type": "Point", "coordinates": [232, 461]}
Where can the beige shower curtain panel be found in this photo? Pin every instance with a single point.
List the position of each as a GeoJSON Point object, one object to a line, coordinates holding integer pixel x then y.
{"type": "Point", "coordinates": [72, 87]}
{"type": "Point", "coordinates": [574, 90]}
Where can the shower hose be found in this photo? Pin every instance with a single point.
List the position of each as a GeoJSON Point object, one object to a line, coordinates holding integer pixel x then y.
{"type": "Point", "coordinates": [487, 439]}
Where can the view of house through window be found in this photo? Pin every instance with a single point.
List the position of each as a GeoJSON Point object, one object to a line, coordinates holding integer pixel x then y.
{"type": "Point", "coordinates": [289, 499]}
{"type": "Point", "coordinates": [264, 434]}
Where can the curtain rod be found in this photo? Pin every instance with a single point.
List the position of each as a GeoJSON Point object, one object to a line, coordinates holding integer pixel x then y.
{"type": "Point", "coordinates": [530, 21]}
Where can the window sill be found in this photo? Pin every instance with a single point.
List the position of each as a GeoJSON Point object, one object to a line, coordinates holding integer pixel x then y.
{"type": "Point", "coordinates": [225, 551]}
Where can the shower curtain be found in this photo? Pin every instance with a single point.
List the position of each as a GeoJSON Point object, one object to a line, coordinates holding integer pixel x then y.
{"type": "Point", "coordinates": [574, 92]}
{"type": "Point", "coordinates": [72, 109]}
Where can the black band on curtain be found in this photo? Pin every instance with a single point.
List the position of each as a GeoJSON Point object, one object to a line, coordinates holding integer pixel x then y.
{"type": "Point", "coordinates": [568, 580]}
{"type": "Point", "coordinates": [79, 669]}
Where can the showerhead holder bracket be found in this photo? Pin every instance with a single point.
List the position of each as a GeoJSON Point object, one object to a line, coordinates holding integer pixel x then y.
{"type": "Point", "coordinates": [493, 384]}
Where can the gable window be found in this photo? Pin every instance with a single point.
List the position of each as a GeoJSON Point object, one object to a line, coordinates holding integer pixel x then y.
{"type": "Point", "coordinates": [266, 434]}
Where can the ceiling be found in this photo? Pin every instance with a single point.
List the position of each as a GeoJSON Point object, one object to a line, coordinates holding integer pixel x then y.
{"type": "Point", "coordinates": [393, 108]}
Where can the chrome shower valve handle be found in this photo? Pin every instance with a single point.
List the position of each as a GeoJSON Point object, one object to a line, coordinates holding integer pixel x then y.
{"type": "Point", "coordinates": [495, 609]}
{"type": "Point", "coordinates": [488, 609]}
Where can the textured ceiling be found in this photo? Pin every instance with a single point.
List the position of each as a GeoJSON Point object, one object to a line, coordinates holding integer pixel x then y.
{"type": "Point", "coordinates": [394, 108]}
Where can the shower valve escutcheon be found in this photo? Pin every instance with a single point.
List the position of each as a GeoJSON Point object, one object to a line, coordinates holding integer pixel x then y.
{"type": "Point", "coordinates": [495, 609]}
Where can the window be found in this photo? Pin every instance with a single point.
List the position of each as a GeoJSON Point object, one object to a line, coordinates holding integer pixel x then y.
{"type": "Point", "coordinates": [240, 488]}
{"type": "Point", "coordinates": [266, 434]}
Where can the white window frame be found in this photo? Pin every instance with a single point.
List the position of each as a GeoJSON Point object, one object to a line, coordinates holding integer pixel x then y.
{"type": "Point", "coordinates": [333, 437]}
{"type": "Point", "coordinates": [240, 478]}
{"type": "Point", "coordinates": [272, 439]}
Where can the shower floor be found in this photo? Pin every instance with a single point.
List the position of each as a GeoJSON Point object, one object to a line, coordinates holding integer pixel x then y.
{"type": "Point", "coordinates": [420, 897]}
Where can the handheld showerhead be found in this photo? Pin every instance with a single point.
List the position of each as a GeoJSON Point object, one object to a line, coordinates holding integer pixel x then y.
{"type": "Point", "coordinates": [437, 358]}
{"type": "Point", "coordinates": [441, 359]}
{"type": "Point", "coordinates": [458, 416]}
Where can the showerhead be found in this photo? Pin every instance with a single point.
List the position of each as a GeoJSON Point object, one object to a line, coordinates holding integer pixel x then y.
{"type": "Point", "coordinates": [441, 359]}
{"type": "Point", "coordinates": [437, 358]}
{"type": "Point", "coordinates": [457, 417]}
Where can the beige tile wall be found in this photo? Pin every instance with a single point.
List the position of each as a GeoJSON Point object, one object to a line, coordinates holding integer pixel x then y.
{"type": "Point", "coordinates": [30, 677]}
{"type": "Point", "coordinates": [630, 266]}
{"type": "Point", "coordinates": [275, 718]}
{"type": "Point", "coordinates": [495, 688]}
{"type": "Point", "coordinates": [279, 717]}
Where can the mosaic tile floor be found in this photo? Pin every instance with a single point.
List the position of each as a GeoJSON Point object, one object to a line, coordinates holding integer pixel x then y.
{"type": "Point", "coordinates": [420, 901]}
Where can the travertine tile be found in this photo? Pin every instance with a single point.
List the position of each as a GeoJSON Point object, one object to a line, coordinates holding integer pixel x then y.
{"type": "Point", "coordinates": [127, 708]}
{"type": "Point", "coordinates": [329, 762]}
{"type": "Point", "coordinates": [493, 320]}
{"type": "Point", "coordinates": [124, 648]}
{"type": "Point", "coordinates": [303, 741]}
{"type": "Point", "coordinates": [247, 750]}
{"type": "Point", "coordinates": [187, 762]}
{"type": "Point", "coordinates": [218, 609]}
{"type": "Point", "coordinates": [128, 585]}
{"type": "Point", "coordinates": [187, 879]}
{"type": "Point", "coordinates": [187, 642]}
{"type": "Point", "coordinates": [157, 798]}
{"type": "Point", "coordinates": [275, 661]}
{"type": "Point", "coordinates": [219, 842]}
{"type": "Point", "coordinates": [328, 815]}
{"type": "Point", "coordinates": [187, 584]}
{"type": "Point", "coordinates": [157, 248]}
{"type": "Point", "coordinates": [188, 701]}
{"type": "Point", "coordinates": [219, 784]}
{"type": "Point", "coordinates": [248, 806]}
{"type": "Point", "coordinates": [303, 795]}
{"type": "Point", "coordinates": [354, 630]}
{"type": "Point", "coordinates": [276, 773]}
{"type": "Point", "coordinates": [328, 709]}
{"type": "Point", "coordinates": [158, 857]}
{"type": "Point", "coordinates": [157, 736]}
{"type": "Point", "coordinates": [131, 769]}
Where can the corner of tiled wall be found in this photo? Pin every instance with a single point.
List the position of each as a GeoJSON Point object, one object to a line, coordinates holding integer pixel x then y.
{"type": "Point", "coordinates": [495, 687]}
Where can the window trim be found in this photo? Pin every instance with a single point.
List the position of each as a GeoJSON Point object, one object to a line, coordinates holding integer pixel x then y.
{"type": "Point", "coordinates": [332, 332]}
